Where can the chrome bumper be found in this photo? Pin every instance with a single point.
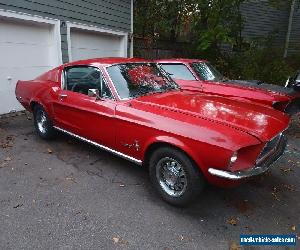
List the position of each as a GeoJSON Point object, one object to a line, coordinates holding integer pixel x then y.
{"type": "Point", "coordinates": [257, 170]}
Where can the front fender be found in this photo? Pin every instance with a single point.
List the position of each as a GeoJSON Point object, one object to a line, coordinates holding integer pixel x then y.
{"type": "Point", "coordinates": [201, 153]}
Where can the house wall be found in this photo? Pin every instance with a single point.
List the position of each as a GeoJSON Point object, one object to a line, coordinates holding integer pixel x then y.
{"type": "Point", "coordinates": [109, 14]}
{"type": "Point", "coordinates": [294, 46]}
{"type": "Point", "coordinates": [262, 19]}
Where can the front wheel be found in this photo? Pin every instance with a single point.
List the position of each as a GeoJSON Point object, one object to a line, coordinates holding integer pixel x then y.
{"type": "Point", "coordinates": [175, 176]}
{"type": "Point", "coordinates": [42, 123]}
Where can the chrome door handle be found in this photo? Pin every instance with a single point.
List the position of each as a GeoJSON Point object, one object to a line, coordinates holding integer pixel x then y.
{"type": "Point", "coordinates": [63, 96]}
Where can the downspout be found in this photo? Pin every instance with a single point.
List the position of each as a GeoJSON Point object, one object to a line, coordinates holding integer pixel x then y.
{"type": "Point", "coordinates": [288, 34]}
{"type": "Point", "coordinates": [131, 31]}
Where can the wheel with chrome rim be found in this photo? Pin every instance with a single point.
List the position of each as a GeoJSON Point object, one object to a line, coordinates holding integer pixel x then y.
{"type": "Point", "coordinates": [175, 176]}
{"type": "Point", "coordinates": [42, 122]}
{"type": "Point", "coordinates": [172, 177]}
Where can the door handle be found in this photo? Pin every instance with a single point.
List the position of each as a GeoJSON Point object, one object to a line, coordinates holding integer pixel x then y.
{"type": "Point", "coordinates": [63, 96]}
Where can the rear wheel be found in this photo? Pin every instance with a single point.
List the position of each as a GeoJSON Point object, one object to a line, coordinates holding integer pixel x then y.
{"type": "Point", "coordinates": [42, 122]}
{"type": "Point", "coordinates": [175, 176]}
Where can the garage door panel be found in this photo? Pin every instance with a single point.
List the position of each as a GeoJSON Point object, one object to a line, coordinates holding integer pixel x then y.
{"type": "Point", "coordinates": [88, 53]}
{"type": "Point", "coordinates": [94, 40]}
{"type": "Point", "coordinates": [87, 44]}
{"type": "Point", "coordinates": [17, 31]}
{"type": "Point", "coordinates": [19, 55]}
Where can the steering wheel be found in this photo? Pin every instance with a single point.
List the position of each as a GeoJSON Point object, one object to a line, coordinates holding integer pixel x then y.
{"type": "Point", "coordinates": [74, 86]}
{"type": "Point", "coordinates": [80, 88]}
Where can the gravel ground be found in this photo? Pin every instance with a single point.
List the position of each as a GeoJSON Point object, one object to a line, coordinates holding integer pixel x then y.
{"type": "Point", "coordinates": [65, 194]}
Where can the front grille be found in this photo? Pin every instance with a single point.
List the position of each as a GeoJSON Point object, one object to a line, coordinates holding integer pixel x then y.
{"type": "Point", "coordinates": [269, 148]}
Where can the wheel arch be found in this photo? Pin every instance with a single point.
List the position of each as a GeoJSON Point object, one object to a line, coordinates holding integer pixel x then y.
{"type": "Point", "coordinates": [166, 141]}
{"type": "Point", "coordinates": [35, 102]}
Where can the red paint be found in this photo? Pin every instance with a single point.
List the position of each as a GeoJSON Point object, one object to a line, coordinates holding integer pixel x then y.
{"type": "Point", "coordinates": [239, 92]}
{"type": "Point", "coordinates": [208, 128]}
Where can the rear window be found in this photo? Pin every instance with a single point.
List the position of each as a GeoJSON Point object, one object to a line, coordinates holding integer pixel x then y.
{"type": "Point", "coordinates": [178, 71]}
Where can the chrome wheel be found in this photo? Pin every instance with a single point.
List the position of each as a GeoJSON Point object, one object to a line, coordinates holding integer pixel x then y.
{"type": "Point", "coordinates": [171, 176]}
{"type": "Point", "coordinates": [41, 121]}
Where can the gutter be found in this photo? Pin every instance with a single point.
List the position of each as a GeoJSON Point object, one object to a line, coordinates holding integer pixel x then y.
{"type": "Point", "coordinates": [288, 34]}
{"type": "Point", "coordinates": [131, 31]}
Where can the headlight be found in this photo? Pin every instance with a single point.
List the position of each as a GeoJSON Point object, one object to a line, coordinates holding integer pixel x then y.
{"type": "Point", "coordinates": [233, 158]}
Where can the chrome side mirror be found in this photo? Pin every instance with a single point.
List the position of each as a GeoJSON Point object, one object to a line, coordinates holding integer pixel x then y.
{"type": "Point", "coordinates": [94, 93]}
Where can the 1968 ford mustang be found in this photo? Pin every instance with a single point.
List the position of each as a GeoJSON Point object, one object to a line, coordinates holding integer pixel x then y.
{"type": "Point", "coordinates": [200, 75]}
{"type": "Point", "coordinates": [132, 109]}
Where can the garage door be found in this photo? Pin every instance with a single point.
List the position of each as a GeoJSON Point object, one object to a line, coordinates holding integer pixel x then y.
{"type": "Point", "coordinates": [92, 44]}
{"type": "Point", "coordinates": [27, 49]}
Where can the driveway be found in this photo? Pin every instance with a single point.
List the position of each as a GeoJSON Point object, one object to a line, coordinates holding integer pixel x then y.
{"type": "Point", "coordinates": [65, 194]}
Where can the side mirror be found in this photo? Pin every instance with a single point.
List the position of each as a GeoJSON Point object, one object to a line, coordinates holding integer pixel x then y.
{"type": "Point", "coordinates": [94, 93]}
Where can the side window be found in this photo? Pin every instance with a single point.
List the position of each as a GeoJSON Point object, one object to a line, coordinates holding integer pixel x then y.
{"type": "Point", "coordinates": [178, 71]}
{"type": "Point", "coordinates": [81, 79]}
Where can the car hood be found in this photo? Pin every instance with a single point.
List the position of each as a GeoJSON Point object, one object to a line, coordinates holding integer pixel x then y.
{"type": "Point", "coordinates": [230, 89]}
{"type": "Point", "coordinates": [257, 120]}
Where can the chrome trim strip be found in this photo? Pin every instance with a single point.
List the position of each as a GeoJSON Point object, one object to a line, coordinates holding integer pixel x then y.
{"type": "Point", "coordinates": [224, 174]}
{"type": "Point", "coordinates": [127, 157]}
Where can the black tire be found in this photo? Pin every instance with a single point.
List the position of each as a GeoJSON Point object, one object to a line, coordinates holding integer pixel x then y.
{"type": "Point", "coordinates": [44, 128]}
{"type": "Point", "coordinates": [190, 183]}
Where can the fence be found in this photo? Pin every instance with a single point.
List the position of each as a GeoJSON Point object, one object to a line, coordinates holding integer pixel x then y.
{"type": "Point", "coordinates": [149, 49]}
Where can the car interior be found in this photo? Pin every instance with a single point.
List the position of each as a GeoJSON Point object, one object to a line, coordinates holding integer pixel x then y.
{"type": "Point", "coordinates": [81, 79]}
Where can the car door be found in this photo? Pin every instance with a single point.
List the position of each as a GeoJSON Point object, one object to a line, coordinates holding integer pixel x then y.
{"type": "Point", "coordinates": [87, 116]}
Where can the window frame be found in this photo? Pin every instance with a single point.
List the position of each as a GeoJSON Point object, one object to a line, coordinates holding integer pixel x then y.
{"type": "Point", "coordinates": [63, 79]}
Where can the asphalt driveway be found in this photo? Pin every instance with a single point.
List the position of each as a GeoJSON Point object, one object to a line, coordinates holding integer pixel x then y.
{"type": "Point", "coordinates": [65, 194]}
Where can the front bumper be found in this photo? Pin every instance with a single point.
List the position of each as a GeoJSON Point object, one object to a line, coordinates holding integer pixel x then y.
{"type": "Point", "coordinates": [256, 170]}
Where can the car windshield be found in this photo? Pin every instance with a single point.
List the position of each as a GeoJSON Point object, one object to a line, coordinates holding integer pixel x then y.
{"type": "Point", "coordinates": [207, 72]}
{"type": "Point", "coordinates": [178, 71]}
{"type": "Point", "coordinates": [137, 79]}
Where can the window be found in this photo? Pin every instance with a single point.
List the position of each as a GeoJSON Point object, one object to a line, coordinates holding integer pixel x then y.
{"type": "Point", "coordinates": [137, 79]}
{"type": "Point", "coordinates": [81, 79]}
{"type": "Point", "coordinates": [178, 71]}
{"type": "Point", "coordinates": [207, 72]}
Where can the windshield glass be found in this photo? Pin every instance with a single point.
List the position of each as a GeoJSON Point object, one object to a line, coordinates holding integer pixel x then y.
{"type": "Point", "coordinates": [207, 72]}
{"type": "Point", "coordinates": [178, 71]}
{"type": "Point", "coordinates": [137, 79]}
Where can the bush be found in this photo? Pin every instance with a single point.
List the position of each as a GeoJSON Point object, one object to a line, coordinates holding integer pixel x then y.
{"type": "Point", "coordinates": [259, 62]}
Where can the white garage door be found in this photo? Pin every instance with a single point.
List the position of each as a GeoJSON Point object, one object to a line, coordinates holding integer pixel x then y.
{"type": "Point", "coordinates": [27, 49]}
{"type": "Point", "coordinates": [92, 44]}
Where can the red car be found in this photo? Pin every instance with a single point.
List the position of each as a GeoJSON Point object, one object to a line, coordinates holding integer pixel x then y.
{"type": "Point", "coordinates": [132, 109]}
{"type": "Point", "coordinates": [200, 75]}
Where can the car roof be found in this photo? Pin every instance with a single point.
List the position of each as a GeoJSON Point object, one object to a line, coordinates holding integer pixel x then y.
{"type": "Point", "coordinates": [107, 61]}
{"type": "Point", "coordinates": [179, 60]}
